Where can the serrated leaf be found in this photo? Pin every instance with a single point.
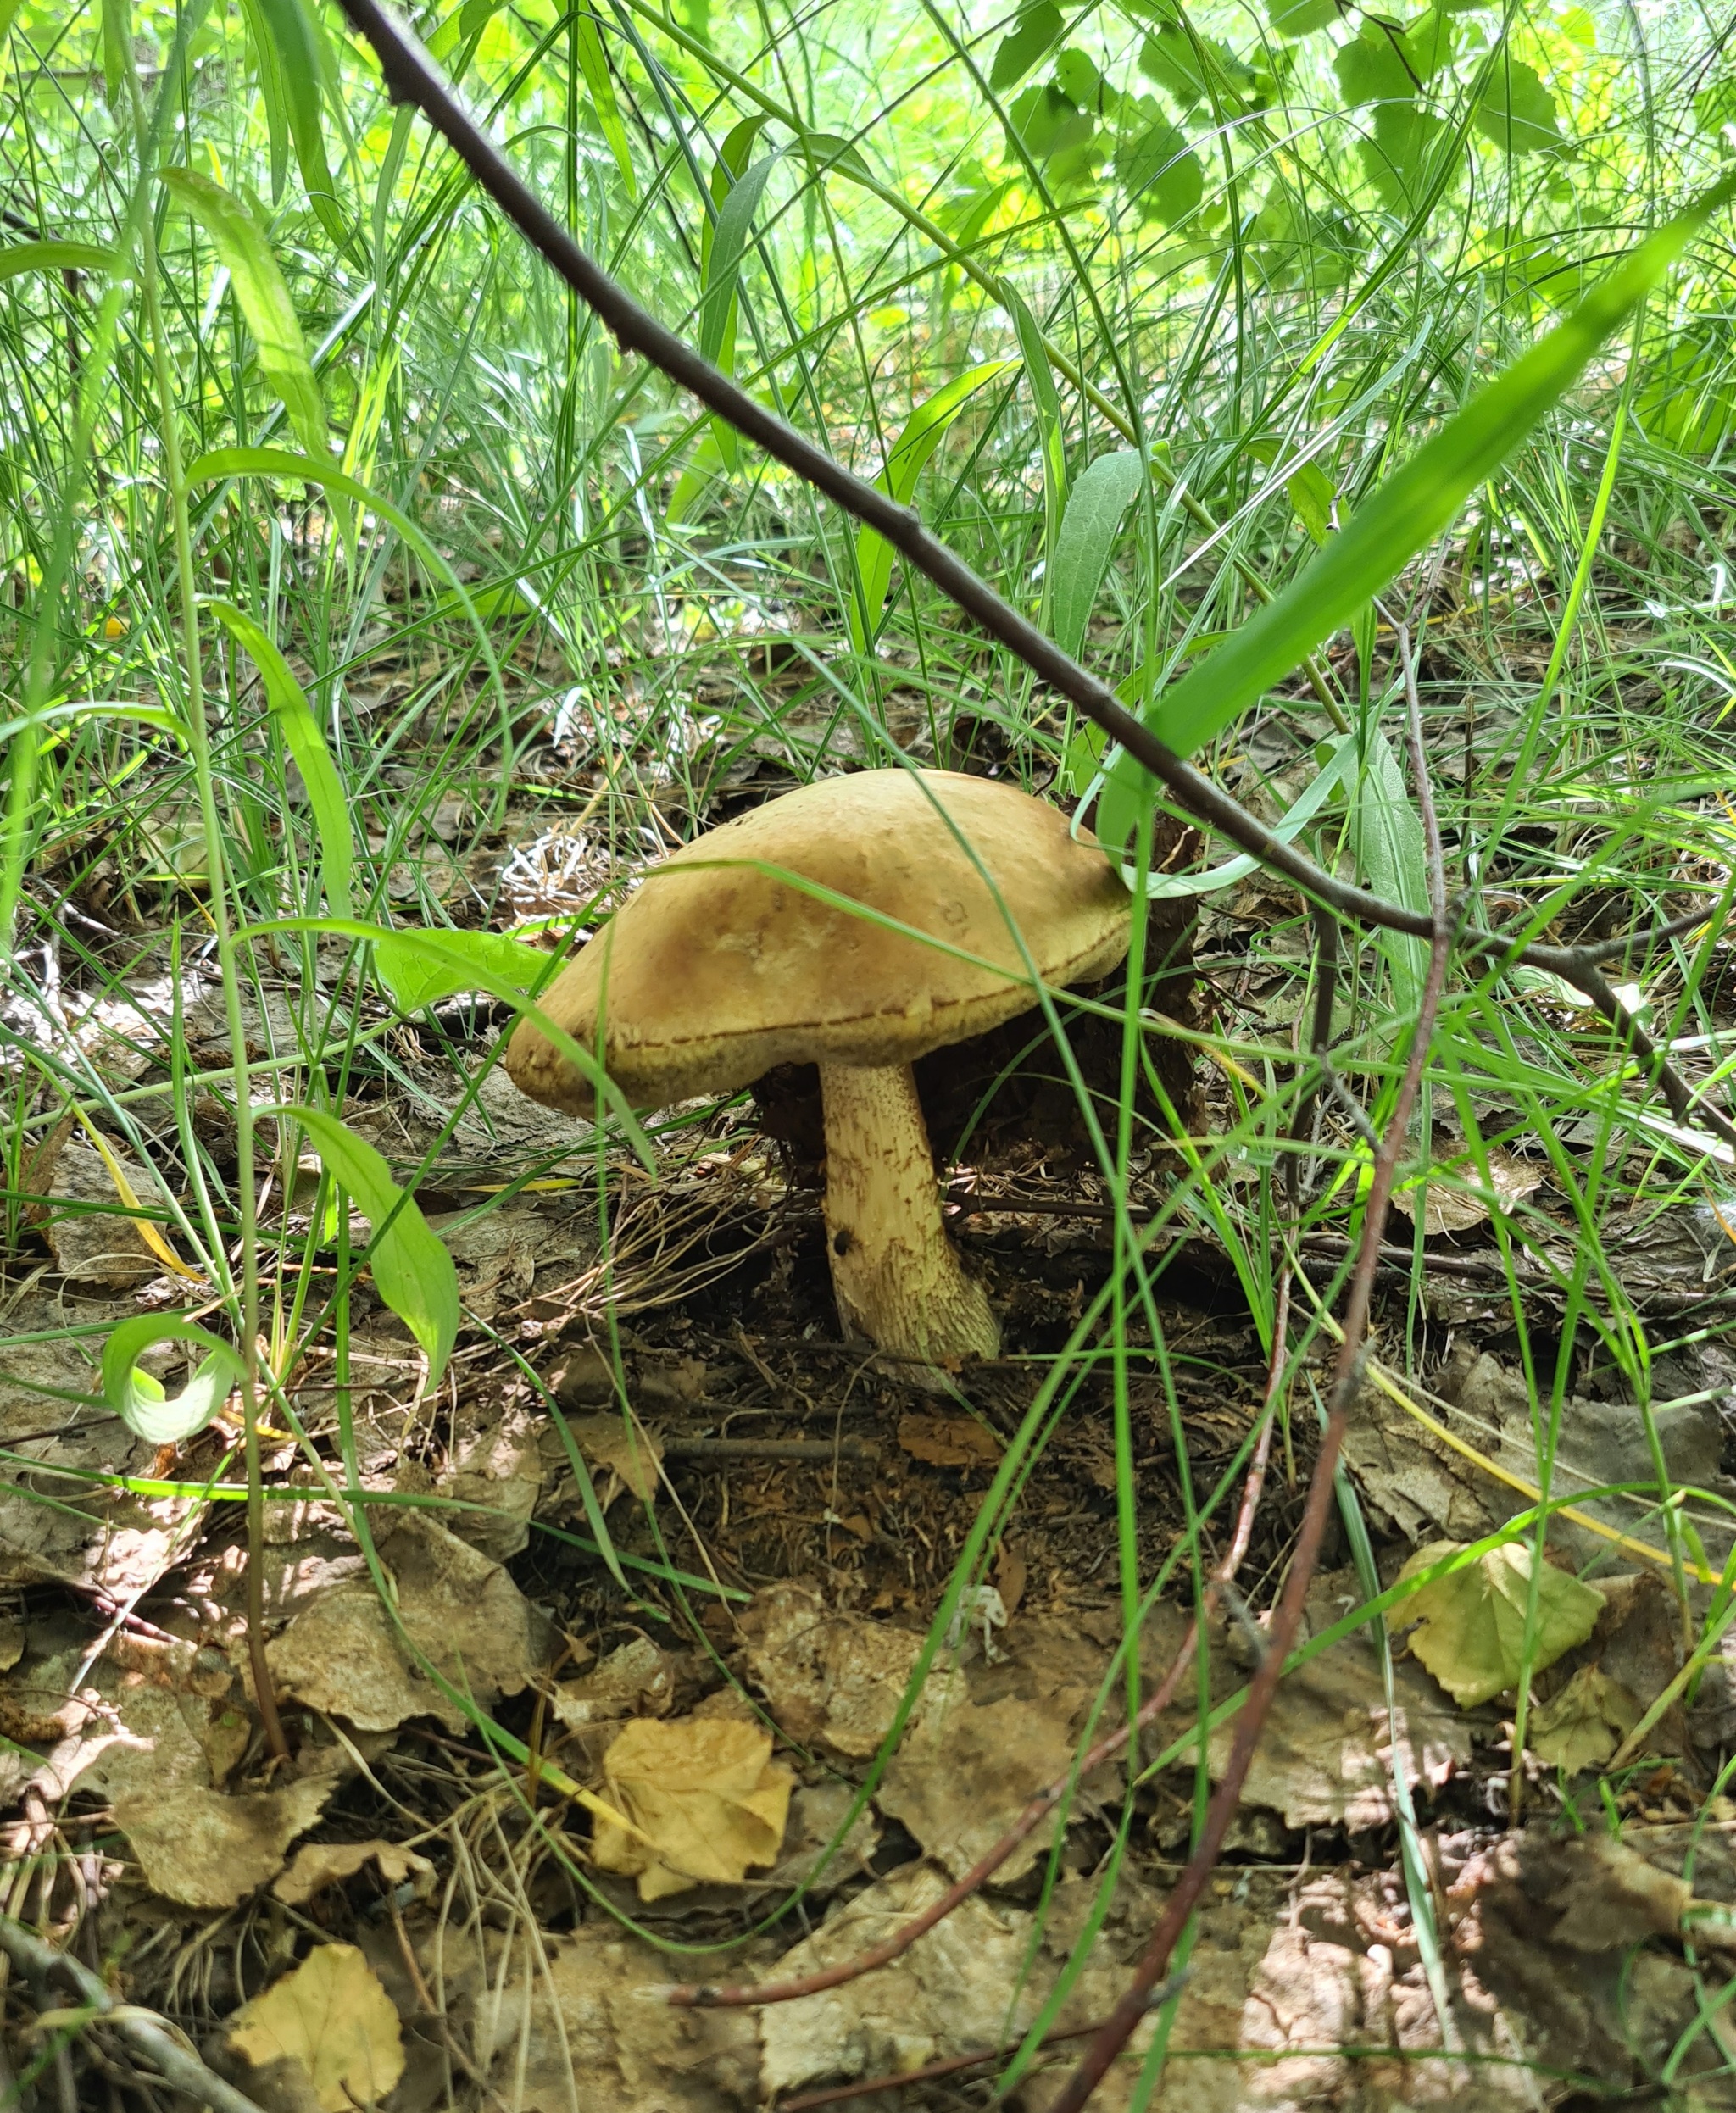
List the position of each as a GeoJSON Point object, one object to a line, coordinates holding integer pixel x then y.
{"type": "Point", "coordinates": [413, 1271]}
{"type": "Point", "coordinates": [923, 433]}
{"type": "Point", "coordinates": [258, 285]}
{"type": "Point", "coordinates": [1471, 1623]}
{"type": "Point", "coordinates": [1372, 69]}
{"type": "Point", "coordinates": [1036, 29]}
{"type": "Point", "coordinates": [1089, 528]}
{"type": "Point", "coordinates": [1518, 113]}
{"type": "Point", "coordinates": [294, 719]}
{"type": "Point", "coordinates": [139, 1399]}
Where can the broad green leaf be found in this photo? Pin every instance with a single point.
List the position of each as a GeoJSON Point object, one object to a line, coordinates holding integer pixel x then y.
{"type": "Point", "coordinates": [443, 962]}
{"type": "Point", "coordinates": [1159, 171]}
{"type": "Point", "coordinates": [700, 470]}
{"type": "Point", "coordinates": [412, 1272]}
{"type": "Point", "coordinates": [295, 721]}
{"type": "Point", "coordinates": [594, 65]}
{"type": "Point", "coordinates": [1092, 523]}
{"type": "Point", "coordinates": [117, 35]}
{"type": "Point", "coordinates": [1386, 837]}
{"type": "Point", "coordinates": [1372, 69]}
{"type": "Point", "coordinates": [1414, 505]}
{"type": "Point", "coordinates": [1518, 113]}
{"type": "Point", "coordinates": [241, 243]}
{"type": "Point", "coordinates": [1187, 66]}
{"type": "Point", "coordinates": [21, 256]}
{"type": "Point", "coordinates": [1312, 495]}
{"type": "Point", "coordinates": [1301, 17]}
{"type": "Point", "coordinates": [1079, 79]}
{"type": "Point", "coordinates": [301, 64]}
{"type": "Point", "coordinates": [924, 433]}
{"type": "Point", "coordinates": [139, 1399]}
{"type": "Point", "coordinates": [1047, 122]}
{"type": "Point", "coordinates": [1400, 159]}
{"type": "Point", "coordinates": [1471, 1623]}
{"type": "Point", "coordinates": [1036, 29]}
{"type": "Point", "coordinates": [827, 150]}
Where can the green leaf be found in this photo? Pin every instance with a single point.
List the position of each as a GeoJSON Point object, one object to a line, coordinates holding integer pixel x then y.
{"type": "Point", "coordinates": [1159, 171]}
{"type": "Point", "coordinates": [301, 64]}
{"type": "Point", "coordinates": [828, 150]}
{"type": "Point", "coordinates": [1372, 69]}
{"type": "Point", "coordinates": [117, 34]}
{"type": "Point", "coordinates": [440, 963]}
{"type": "Point", "coordinates": [1036, 29]}
{"type": "Point", "coordinates": [921, 435]}
{"type": "Point", "coordinates": [594, 65]}
{"type": "Point", "coordinates": [475, 968]}
{"type": "Point", "coordinates": [1518, 113]}
{"type": "Point", "coordinates": [1089, 528]}
{"type": "Point", "coordinates": [720, 276]}
{"type": "Point", "coordinates": [412, 1272]}
{"type": "Point", "coordinates": [272, 93]}
{"type": "Point", "coordinates": [1471, 1623]}
{"type": "Point", "coordinates": [295, 721]}
{"type": "Point", "coordinates": [1049, 122]}
{"type": "Point", "coordinates": [1312, 495]}
{"type": "Point", "coordinates": [1400, 159]}
{"type": "Point", "coordinates": [1050, 427]}
{"type": "Point", "coordinates": [1187, 66]}
{"type": "Point", "coordinates": [1386, 837]}
{"type": "Point", "coordinates": [1301, 17]}
{"type": "Point", "coordinates": [21, 256]}
{"type": "Point", "coordinates": [139, 1400]}
{"type": "Point", "coordinates": [1407, 513]}
{"type": "Point", "coordinates": [241, 243]}
{"type": "Point", "coordinates": [701, 470]}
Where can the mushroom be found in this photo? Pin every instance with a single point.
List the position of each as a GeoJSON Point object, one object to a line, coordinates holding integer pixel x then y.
{"type": "Point", "coordinates": [719, 968]}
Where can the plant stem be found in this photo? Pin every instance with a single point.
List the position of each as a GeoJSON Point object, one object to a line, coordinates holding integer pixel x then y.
{"type": "Point", "coordinates": [216, 870]}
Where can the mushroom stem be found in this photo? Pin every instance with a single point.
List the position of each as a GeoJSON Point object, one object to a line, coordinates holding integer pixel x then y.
{"type": "Point", "coordinates": [898, 1281]}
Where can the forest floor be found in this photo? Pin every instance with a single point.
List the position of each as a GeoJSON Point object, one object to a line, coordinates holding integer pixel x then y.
{"type": "Point", "coordinates": [749, 1564]}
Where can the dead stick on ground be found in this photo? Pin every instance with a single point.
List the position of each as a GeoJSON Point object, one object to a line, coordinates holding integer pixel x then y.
{"type": "Point", "coordinates": [412, 76]}
{"type": "Point", "coordinates": [150, 2035]}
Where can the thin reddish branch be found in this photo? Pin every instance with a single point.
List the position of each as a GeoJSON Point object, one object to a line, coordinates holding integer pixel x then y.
{"type": "Point", "coordinates": [1287, 1619]}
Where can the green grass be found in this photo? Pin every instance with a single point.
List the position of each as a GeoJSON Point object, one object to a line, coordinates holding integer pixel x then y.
{"type": "Point", "coordinates": [1276, 295]}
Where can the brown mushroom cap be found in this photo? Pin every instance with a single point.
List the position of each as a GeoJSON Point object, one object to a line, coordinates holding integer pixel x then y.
{"type": "Point", "coordinates": [717, 971]}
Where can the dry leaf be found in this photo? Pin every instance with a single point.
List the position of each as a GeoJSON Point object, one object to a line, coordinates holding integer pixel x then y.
{"type": "Point", "coordinates": [834, 1678]}
{"type": "Point", "coordinates": [707, 1792]}
{"type": "Point", "coordinates": [205, 1850]}
{"type": "Point", "coordinates": [317, 1864]}
{"type": "Point", "coordinates": [1465, 1203]}
{"type": "Point", "coordinates": [632, 1457]}
{"type": "Point", "coordinates": [1470, 1624]}
{"type": "Point", "coordinates": [636, 1679]}
{"type": "Point", "coordinates": [334, 2020]}
{"type": "Point", "coordinates": [1582, 1727]}
{"type": "Point", "coordinates": [948, 1441]}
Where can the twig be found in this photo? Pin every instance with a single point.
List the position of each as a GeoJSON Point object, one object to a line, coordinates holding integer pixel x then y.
{"type": "Point", "coordinates": [152, 2036]}
{"type": "Point", "coordinates": [1287, 1618]}
{"type": "Point", "coordinates": [722, 1450]}
{"type": "Point", "coordinates": [1425, 787]}
{"type": "Point", "coordinates": [412, 76]}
